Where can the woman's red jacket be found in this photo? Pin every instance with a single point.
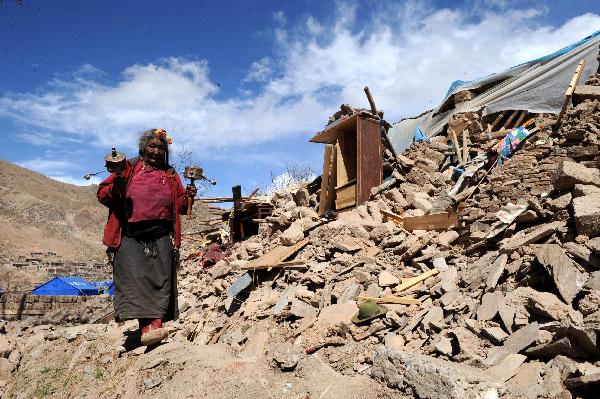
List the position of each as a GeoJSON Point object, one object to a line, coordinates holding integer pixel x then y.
{"type": "Point", "coordinates": [111, 193]}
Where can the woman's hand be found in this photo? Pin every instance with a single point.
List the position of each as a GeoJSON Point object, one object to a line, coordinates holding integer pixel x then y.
{"type": "Point", "coordinates": [191, 191]}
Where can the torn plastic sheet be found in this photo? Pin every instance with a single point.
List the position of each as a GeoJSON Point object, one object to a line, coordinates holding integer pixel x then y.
{"type": "Point", "coordinates": [509, 212]}
{"type": "Point", "coordinates": [472, 167]}
{"type": "Point", "coordinates": [506, 216]}
{"type": "Point", "coordinates": [510, 143]}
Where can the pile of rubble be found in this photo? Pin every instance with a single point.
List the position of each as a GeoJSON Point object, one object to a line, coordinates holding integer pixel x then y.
{"type": "Point", "coordinates": [505, 303]}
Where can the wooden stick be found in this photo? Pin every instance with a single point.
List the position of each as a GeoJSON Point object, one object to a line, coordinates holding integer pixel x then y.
{"type": "Point", "coordinates": [521, 118]}
{"type": "Point", "coordinates": [465, 145]}
{"type": "Point", "coordinates": [497, 120]}
{"type": "Point", "coordinates": [510, 119]}
{"type": "Point", "coordinates": [210, 200]}
{"type": "Point", "coordinates": [325, 179]}
{"type": "Point", "coordinates": [402, 300]}
{"type": "Point", "coordinates": [569, 92]}
{"type": "Point", "coordinates": [456, 146]}
{"type": "Point", "coordinates": [392, 216]}
{"type": "Point", "coordinates": [415, 280]}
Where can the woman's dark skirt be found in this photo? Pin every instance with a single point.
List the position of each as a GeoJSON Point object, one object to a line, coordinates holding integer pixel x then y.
{"type": "Point", "coordinates": [145, 280]}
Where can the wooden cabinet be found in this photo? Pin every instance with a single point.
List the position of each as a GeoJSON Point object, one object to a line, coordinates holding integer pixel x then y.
{"type": "Point", "coordinates": [352, 162]}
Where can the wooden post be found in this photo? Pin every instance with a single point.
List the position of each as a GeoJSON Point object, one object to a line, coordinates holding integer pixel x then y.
{"type": "Point", "coordinates": [497, 120]}
{"type": "Point", "coordinates": [465, 146]}
{"type": "Point", "coordinates": [456, 146]}
{"type": "Point", "coordinates": [325, 194]}
{"type": "Point", "coordinates": [237, 196]}
{"type": "Point", "coordinates": [510, 119]}
{"type": "Point", "coordinates": [569, 92]}
{"type": "Point", "coordinates": [521, 118]}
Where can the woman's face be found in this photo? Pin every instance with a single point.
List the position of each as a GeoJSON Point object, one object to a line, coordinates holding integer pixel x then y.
{"type": "Point", "coordinates": [154, 153]}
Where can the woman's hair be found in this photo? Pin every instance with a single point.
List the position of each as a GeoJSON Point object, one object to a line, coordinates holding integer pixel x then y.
{"type": "Point", "coordinates": [150, 134]}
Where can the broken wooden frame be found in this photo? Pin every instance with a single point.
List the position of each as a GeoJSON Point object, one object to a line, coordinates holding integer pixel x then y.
{"type": "Point", "coordinates": [277, 257]}
{"type": "Point", "coordinates": [352, 164]}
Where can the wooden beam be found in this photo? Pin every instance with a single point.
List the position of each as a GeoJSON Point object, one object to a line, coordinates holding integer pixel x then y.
{"type": "Point", "coordinates": [325, 179]}
{"type": "Point", "coordinates": [210, 200]}
{"type": "Point", "coordinates": [275, 256]}
{"type": "Point", "coordinates": [569, 92]}
{"type": "Point", "coordinates": [391, 299]}
{"type": "Point", "coordinates": [456, 146]}
{"type": "Point", "coordinates": [391, 216]}
{"type": "Point", "coordinates": [465, 145]}
{"type": "Point", "coordinates": [497, 120]}
{"type": "Point", "coordinates": [332, 180]}
{"type": "Point", "coordinates": [416, 280]}
{"type": "Point", "coordinates": [280, 265]}
{"type": "Point", "coordinates": [521, 118]}
{"type": "Point", "coordinates": [438, 221]}
{"type": "Point", "coordinates": [512, 116]}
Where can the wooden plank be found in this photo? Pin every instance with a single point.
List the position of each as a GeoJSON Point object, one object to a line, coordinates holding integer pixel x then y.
{"type": "Point", "coordinates": [346, 158]}
{"type": "Point", "coordinates": [332, 182]}
{"type": "Point", "coordinates": [332, 131]}
{"type": "Point", "coordinates": [343, 203]}
{"type": "Point", "coordinates": [346, 192]}
{"type": "Point", "coordinates": [438, 221]}
{"type": "Point", "coordinates": [350, 183]}
{"type": "Point", "coordinates": [465, 145]}
{"type": "Point", "coordinates": [416, 280]}
{"type": "Point", "coordinates": [521, 118]}
{"type": "Point", "coordinates": [275, 256]}
{"type": "Point", "coordinates": [280, 265]}
{"type": "Point", "coordinates": [369, 160]}
{"type": "Point", "coordinates": [512, 116]}
{"type": "Point", "coordinates": [569, 92]}
{"type": "Point", "coordinates": [497, 120]}
{"type": "Point", "coordinates": [456, 146]}
{"type": "Point", "coordinates": [211, 200]}
{"type": "Point", "coordinates": [391, 299]}
{"type": "Point", "coordinates": [391, 216]}
{"type": "Point", "coordinates": [325, 179]}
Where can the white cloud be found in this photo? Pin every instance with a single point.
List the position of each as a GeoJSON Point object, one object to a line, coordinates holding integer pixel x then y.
{"type": "Point", "coordinates": [259, 70]}
{"type": "Point", "coordinates": [408, 59]}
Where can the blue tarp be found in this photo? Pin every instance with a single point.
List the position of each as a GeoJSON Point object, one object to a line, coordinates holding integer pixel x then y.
{"type": "Point", "coordinates": [419, 136]}
{"type": "Point", "coordinates": [63, 285]}
{"type": "Point", "coordinates": [105, 287]}
{"type": "Point", "coordinates": [536, 86]}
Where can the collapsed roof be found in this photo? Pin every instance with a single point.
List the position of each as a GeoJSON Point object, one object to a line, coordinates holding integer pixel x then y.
{"type": "Point", "coordinates": [537, 86]}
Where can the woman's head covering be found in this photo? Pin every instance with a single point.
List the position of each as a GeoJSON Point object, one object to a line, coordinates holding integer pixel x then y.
{"type": "Point", "coordinates": [156, 133]}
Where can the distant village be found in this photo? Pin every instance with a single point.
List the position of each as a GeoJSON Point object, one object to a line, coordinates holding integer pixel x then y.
{"type": "Point", "coordinates": [84, 277]}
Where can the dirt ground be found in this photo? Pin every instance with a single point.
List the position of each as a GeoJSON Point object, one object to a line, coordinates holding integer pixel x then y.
{"type": "Point", "coordinates": [90, 361]}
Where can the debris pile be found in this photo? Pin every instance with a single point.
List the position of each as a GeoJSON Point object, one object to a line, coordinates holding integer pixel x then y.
{"type": "Point", "coordinates": [471, 269]}
{"type": "Point", "coordinates": [506, 299]}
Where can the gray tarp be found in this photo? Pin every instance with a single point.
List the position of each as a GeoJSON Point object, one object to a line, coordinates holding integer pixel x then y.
{"type": "Point", "coordinates": [537, 86]}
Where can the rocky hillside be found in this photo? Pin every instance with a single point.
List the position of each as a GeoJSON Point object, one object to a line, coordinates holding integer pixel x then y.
{"type": "Point", "coordinates": [41, 214]}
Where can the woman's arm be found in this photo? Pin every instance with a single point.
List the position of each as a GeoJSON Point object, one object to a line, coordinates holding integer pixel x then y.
{"type": "Point", "coordinates": [181, 196]}
{"type": "Point", "coordinates": [112, 190]}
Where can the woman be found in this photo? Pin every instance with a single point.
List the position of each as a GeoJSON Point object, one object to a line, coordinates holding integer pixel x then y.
{"type": "Point", "coordinates": [143, 233]}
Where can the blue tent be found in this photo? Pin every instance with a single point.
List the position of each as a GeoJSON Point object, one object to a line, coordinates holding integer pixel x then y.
{"type": "Point", "coordinates": [105, 287]}
{"type": "Point", "coordinates": [62, 285]}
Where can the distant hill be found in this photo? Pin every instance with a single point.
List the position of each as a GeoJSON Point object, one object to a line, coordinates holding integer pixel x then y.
{"type": "Point", "coordinates": [41, 214]}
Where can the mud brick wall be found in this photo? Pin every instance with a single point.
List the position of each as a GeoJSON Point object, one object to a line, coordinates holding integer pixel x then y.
{"type": "Point", "coordinates": [17, 306]}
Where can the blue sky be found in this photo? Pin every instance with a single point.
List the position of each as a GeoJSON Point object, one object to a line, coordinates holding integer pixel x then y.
{"type": "Point", "coordinates": [243, 84]}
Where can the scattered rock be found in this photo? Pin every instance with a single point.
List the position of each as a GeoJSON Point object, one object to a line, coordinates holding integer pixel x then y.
{"type": "Point", "coordinates": [286, 357]}
{"type": "Point", "coordinates": [567, 278]}
{"type": "Point", "coordinates": [387, 279]}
